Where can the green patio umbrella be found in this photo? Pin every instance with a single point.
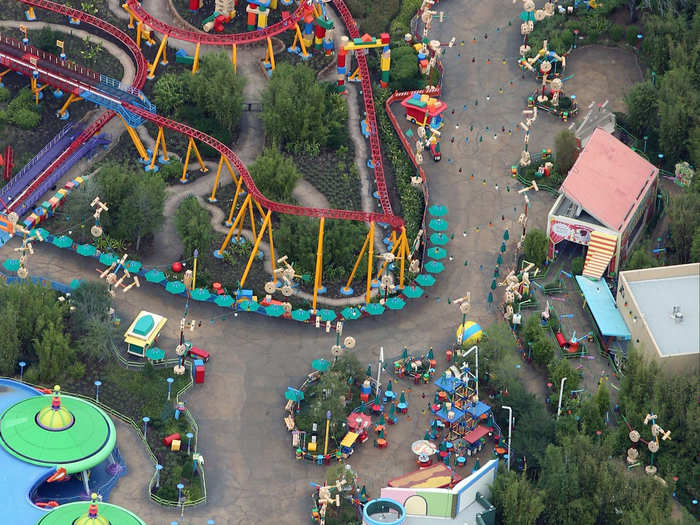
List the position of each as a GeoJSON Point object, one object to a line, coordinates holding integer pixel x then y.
{"type": "Point", "coordinates": [503, 247]}
{"type": "Point", "coordinates": [439, 225]}
{"type": "Point", "coordinates": [301, 315]}
{"type": "Point", "coordinates": [402, 399]}
{"type": "Point", "coordinates": [404, 354]}
{"type": "Point", "coordinates": [327, 315]}
{"type": "Point", "coordinates": [108, 258]}
{"type": "Point", "coordinates": [224, 300]}
{"type": "Point", "coordinates": [381, 435]}
{"type": "Point", "coordinates": [274, 310]}
{"type": "Point", "coordinates": [437, 210]}
{"type": "Point", "coordinates": [389, 386]}
{"type": "Point", "coordinates": [495, 272]}
{"type": "Point", "coordinates": [392, 410]}
{"type": "Point", "coordinates": [369, 370]}
{"type": "Point", "coordinates": [86, 250]}
{"type": "Point", "coordinates": [430, 354]}
{"type": "Point", "coordinates": [75, 284]}
{"type": "Point", "coordinates": [436, 252]}
{"type": "Point", "coordinates": [413, 292]}
{"type": "Point", "coordinates": [374, 309]}
{"type": "Point", "coordinates": [493, 284]}
{"type": "Point", "coordinates": [63, 241]}
{"type": "Point", "coordinates": [395, 303]}
{"type": "Point", "coordinates": [175, 287]}
{"type": "Point", "coordinates": [505, 235]}
{"type": "Point", "coordinates": [11, 265]}
{"type": "Point", "coordinates": [490, 297]}
{"type": "Point", "coordinates": [499, 259]}
{"type": "Point", "coordinates": [321, 365]}
{"type": "Point", "coordinates": [200, 294]}
{"type": "Point", "coordinates": [350, 313]}
{"type": "Point", "coordinates": [382, 421]}
{"type": "Point", "coordinates": [439, 238]}
{"type": "Point", "coordinates": [155, 276]}
{"type": "Point", "coordinates": [425, 279]}
{"type": "Point", "coordinates": [426, 436]}
{"type": "Point", "coordinates": [249, 306]}
{"type": "Point", "coordinates": [133, 266]}
{"type": "Point", "coordinates": [434, 267]}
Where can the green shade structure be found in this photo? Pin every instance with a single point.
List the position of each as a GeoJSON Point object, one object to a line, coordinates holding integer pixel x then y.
{"type": "Point", "coordinates": [402, 399]}
{"type": "Point", "coordinates": [439, 225]}
{"type": "Point", "coordinates": [404, 353]}
{"type": "Point", "coordinates": [292, 394]}
{"type": "Point", "coordinates": [86, 250]}
{"type": "Point", "coordinates": [426, 436]}
{"type": "Point", "coordinates": [490, 297]}
{"type": "Point", "coordinates": [425, 279]}
{"type": "Point", "coordinates": [327, 315]}
{"type": "Point", "coordinates": [224, 300]}
{"type": "Point", "coordinates": [75, 284]}
{"type": "Point", "coordinates": [430, 354]}
{"type": "Point", "coordinates": [395, 303]}
{"type": "Point", "coordinates": [392, 410]}
{"type": "Point", "coordinates": [41, 231]}
{"type": "Point", "coordinates": [503, 247]}
{"type": "Point", "coordinates": [11, 265]}
{"type": "Point", "coordinates": [439, 238]}
{"type": "Point", "coordinates": [496, 272]}
{"type": "Point", "coordinates": [133, 266]}
{"type": "Point", "coordinates": [351, 313]}
{"type": "Point", "coordinates": [321, 365]}
{"type": "Point", "coordinates": [248, 306]}
{"type": "Point", "coordinates": [437, 210]}
{"type": "Point", "coordinates": [434, 267]}
{"type": "Point", "coordinates": [389, 386]}
{"type": "Point", "coordinates": [499, 259]}
{"type": "Point", "coordinates": [301, 315]}
{"type": "Point", "coordinates": [200, 294]}
{"type": "Point", "coordinates": [175, 287]}
{"type": "Point", "coordinates": [382, 421]}
{"type": "Point", "coordinates": [274, 310]}
{"type": "Point", "coordinates": [155, 276]}
{"type": "Point", "coordinates": [436, 252]}
{"type": "Point", "coordinates": [374, 309]}
{"type": "Point", "coordinates": [493, 284]}
{"type": "Point", "coordinates": [505, 235]}
{"type": "Point", "coordinates": [63, 241]}
{"type": "Point", "coordinates": [413, 292]}
{"type": "Point", "coordinates": [78, 513]}
{"type": "Point", "coordinates": [108, 258]}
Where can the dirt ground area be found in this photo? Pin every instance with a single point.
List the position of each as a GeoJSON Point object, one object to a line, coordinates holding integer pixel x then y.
{"type": "Point", "coordinates": [592, 81]}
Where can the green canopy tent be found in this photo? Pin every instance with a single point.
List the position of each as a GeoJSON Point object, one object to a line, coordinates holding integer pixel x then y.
{"type": "Point", "coordinates": [155, 276]}
{"type": "Point", "coordinates": [301, 315]}
{"type": "Point", "coordinates": [395, 303]}
{"type": "Point", "coordinates": [351, 313]}
{"type": "Point", "coordinates": [327, 315]}
{"type": "Point", "coordinates": [437, 253]}
{"type": "Point", "coordinates": [438, 225]}
{"type": "Point", "coordinates": [425, 279]}
{"type": "Point", "coordinates": [274, 310]}
{"type": "Point", "coordinates": [63, 241]}
{"type": "Point", "coordinates": [86, 250]}
{"type": "Point", "coordinates": [175, 287]}
{"type": "Point", "coordinates": [200, 294]}
{"type": "Point", "coordinates": [321, 365]}
{"type": "Point", "coordinates": [439, 238]}
{"type": "Point", "coordinates": [413, 292]}
{"type": "Point", "coordinates": [434, 267]}
{"type": "Point", "coordinates": [224, 300]}
{"type": "Point", "coordinates": [374, 309]}
{"type": "Point", "coordinates": [248, 306]}
{"type": "Point", "coordinates": [437, 210]}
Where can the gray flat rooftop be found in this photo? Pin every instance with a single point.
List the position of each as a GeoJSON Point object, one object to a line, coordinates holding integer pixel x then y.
{"type": "Point", "coordinates": [466, 517]}
{"type": "Point", "coordinates": [656, 299]}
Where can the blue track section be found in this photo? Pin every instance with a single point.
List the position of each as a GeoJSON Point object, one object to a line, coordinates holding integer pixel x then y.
{"type": "Point", "coordinates": [113, 88]}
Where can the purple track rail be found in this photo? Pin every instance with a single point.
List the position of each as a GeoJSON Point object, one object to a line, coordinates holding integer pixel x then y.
{"type": "Point", "coordinates": [39, 163]}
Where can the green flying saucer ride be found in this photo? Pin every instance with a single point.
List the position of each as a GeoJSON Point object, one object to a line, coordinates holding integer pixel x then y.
{"type": "Point", "coordinates": [90, 513]}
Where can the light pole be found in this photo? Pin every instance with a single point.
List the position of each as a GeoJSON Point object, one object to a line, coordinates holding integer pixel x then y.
{"type": "Point", "coordinates": [561, 391]}
{"type": "Point", "coordinates": [146, 419]}
{"type": "Point", "coordinates": [159, 467]}
{"type": "Point", "coordinates": [189, 437]}
{"type": "Point", "coordinates": [510, 428]}
{"type": "Point", "coordinates": [170, 381]}
{"type": "Point", "coordinates": [180, 486]}
{"type": "Point", "coordinates": [22, 364]}
{"type": "Point", "coordinates": [98, 384]}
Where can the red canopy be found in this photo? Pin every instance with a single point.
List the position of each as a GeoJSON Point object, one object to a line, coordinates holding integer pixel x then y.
{"type": "Point", "coordinates": [359, 421]}
{"type": "Point", "coordinates": [476, 434]}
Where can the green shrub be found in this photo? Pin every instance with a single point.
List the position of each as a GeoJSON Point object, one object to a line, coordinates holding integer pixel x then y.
{"type": "Point", "coordinates": [631, 35]}
{"type": "Point", "coordinates": [172, 171]}
{"type": "Point", "coordinates": [567, 38]}
{"type": "Point", "coordinates": [26, 118]}
{"type": "Point", "coordinates": [577, 265]}
{"type": "Point", "coordinates": [4, 94]}
{"type": "Point", "coordinates": [275, 175]}
{"type": "Point", "coordinates": [402, 23]}
{"type": "Point", "coordinates": [543, 350]}
{"type": "Point", "coordinates": [535, 246]}
{"type": "Point", "coordinates": [193, 224]}
{"type": "Point", "coordinates": [617, 32]}
{"type": "Point", "coordinates": [23, 100]}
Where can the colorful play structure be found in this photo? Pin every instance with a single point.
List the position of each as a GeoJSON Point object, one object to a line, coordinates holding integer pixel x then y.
{"type": "Point", "coordinates": [56, 450]}
{"type": "Point", "coordinates": [142, 335]}
{"type": "Point", "coordinates": [357, 45]}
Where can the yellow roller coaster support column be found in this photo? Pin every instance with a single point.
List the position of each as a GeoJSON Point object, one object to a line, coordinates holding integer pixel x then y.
{"type": "Point", "coordinates": [235, 200]}
{"type": "Point", "coordinates": [272, 252]}
{"type": "Point", "coordinates": [252, 217]}
{"type": "Point", "coordinates": [370, 257]}
{"type": "Point", "coordinates": [301, 41]}
{"type": "Point", "coordinates": [270, 56]}
{"type": "Point", "coordinates": [135, 139]}
{"type": "Point", "coordinates": [395, 250]}
{"type": "Point", "coordinates": [139, 30]}
{"type": "Point", "coordinates": [405, 254]}
{"type": "Point", "coordinates": [161, 48]}
{"type": "Point", "coordinates": [265, 223]}
{"type": "Point", "coordinates": [357, 262]}
{"type": "Point", "coordinates": [212, 197]}
{"type": "Point", "coordinates": [195, 62]}
{"type": "Point", "coordinates": [132, 16]}
{"type": "Point", "coordinates": [239, 218]}
{"type": "Point", "coordinates": [319, 262]}
{"type": "Point", "coordinates": [232, 172]}
{"type": "Point", "coordinates": [160, 141]}
{"type": "Point", "coordinates": [234, 57]}
{"type": "Point", "coordinates": [202, 167]}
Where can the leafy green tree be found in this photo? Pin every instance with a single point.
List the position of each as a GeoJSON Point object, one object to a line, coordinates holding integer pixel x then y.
{"type": "Point", "coordinates": [275, 175]}
{"type": "Point", "coordinates": [532, 329]}
{"type": "Point", "coordinates": [405, 74]}
{"type": "Point", "coordinates": [577, 264]}
{"type": "Point", "coordinates": [678, 105]}
{"type": "Point", "coordinates": [96, 341]}
{"type": "Point", "coordinates": [543, 350]}
{"type": "Point", "coordinates": [10, 347]}
{"type": "Point", "coordinates": [641, 258]}
{"type": "Point", "coordinates": [535, 246]}
{"type": "Point", "coordinates": [684, 216]}
{"type": "Point", "coordinates": [642, 107]}
{"type": "Point", "coordinates": [91, 302]}
{"type": "Point", "coordinates": [56, 357]}
{"type": "Point", "coordinates": [169, 93]}
{"type": "Point", "coordinates": [517, 502]}
{"type": "Point", "coordinates": [695, 246]}
{"type": "Point", "coordinates": [558, 369]}
{"type": "Point", "coordinates": [136, 202]}
{"type": "Point", "coordinates": [566, 151]}
{"type": "Point", "coordinates": [193, 224]}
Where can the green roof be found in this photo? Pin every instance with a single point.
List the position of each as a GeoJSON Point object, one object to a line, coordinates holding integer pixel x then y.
{"type": "Point", "coordinates": [68, 513]}
{"type": "Point", "coordinates": [83, 445]}
{"type": "Point", "coordinates": [144, 325]}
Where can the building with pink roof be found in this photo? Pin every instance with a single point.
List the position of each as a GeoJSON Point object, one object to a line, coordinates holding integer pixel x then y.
{"type": "Point", "coordinates": [604, 203]}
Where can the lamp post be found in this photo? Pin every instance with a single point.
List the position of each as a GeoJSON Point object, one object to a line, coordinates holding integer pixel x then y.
{"type": "Point", "coordinates": [510, 428]}
{"type": "Point", "coordinates": [561, 391]}
{"type": "Point", "coordinates": [645, 143]}
{"type": "Point", "coordinates": [170, 381]}
{"type": "Point", "coordinates": [194, 269]}
{"type": "Point", "coordinates": [98, 384]}
{"type": "Point", "coordinates": [22, 364]}
{"type": "Point", "coordinates": [159, 467]}
{"type": "Point", "coordinates": [146, 419]}
{"type": "Point", "coordinates": [189, 437]}
{"type": "Point", "coordinates": [180, 486]}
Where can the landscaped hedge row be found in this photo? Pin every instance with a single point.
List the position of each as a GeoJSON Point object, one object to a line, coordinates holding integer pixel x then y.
{"type": "Point", "coordinates": [412, 202]}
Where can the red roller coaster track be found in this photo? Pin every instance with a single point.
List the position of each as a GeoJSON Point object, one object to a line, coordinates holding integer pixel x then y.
{"type": "Point", "coordinates": [191, 36]}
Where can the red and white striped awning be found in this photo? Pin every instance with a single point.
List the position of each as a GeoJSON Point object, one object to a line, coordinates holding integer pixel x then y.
{"type": "Point", "coordinates": [601, 249]}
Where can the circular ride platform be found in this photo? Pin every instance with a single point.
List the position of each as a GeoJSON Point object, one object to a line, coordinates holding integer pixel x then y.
{"type": "Point", "coordinates": [78, 514]}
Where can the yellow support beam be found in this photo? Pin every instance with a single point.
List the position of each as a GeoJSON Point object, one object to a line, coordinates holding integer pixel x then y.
{"type": "Point", "coordinates": [139, 30]}
{"type": "Point", "coordinates": [183, 178]}
{"type": "Point", "coordinates": [266, 222]}
{"type": "Point", "coordinates": [298, 37]}
{"type": "Point", "coordinates": [406, 254]}
{"type": "Point", "coordinates": [212, 197]}
{"type": "Point", "coordinates": [233, 227]}
{"type": "Point", "coordinates": [270, 58]}
{"type": "Point", "coordinates": [231, 171]}
{"type": "Point", "coordinates": [272, 251]}
{"type": "Point", "coordinates": [319, 262]}
{"type": "Point", "coordinates": [136, 140]}
{"type": "Point", "coordinates": [252, 216]}
{"type": "Point", "coordinates": [357, 262]}
{"type": "Point", "coordinates": [161, 48]}
{"type": "Point", "coordinates": [195, 62]}
{"type": "Point", "coordinates": [370, 257]}
{"type": "Point", "coordinates": [202, 167]}
{"type": "Point", "coordinates": [235, 200]}
{"type": "Point", "coordinates": [160, 142]}
{"type": "Point", "coordinates": [234, 53]}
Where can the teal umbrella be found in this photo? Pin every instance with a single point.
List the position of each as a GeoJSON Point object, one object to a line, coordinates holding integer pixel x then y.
{"type": "Point", "coordinates": [321, 365]}
{"type": "Point", "coordinates": [155, 276]}
{"type": "Point", "coordinates": [292, 394]}
{"type": "Point", "coordinates": [86, 250]}
{"type": "Point", "coordinates": [490, 297]}
{"type": "Point", "coordinates": [249, 306]}
{"type": "Point", "coordinates": [439, 238]}
{"type": "Point", "coordinates": [374, 309]}
{"type": "Point", "coordinates": [404, 353]}
{"type": "Point", "coordinates": [108, 259]}
{"type": "Point", "coordinates": [503, 247]}
{"type": "Point", "coordinates": [175, 287]}
{"type": "Point", "coordinates": [425, 279]}
{"type": "Point", "coordinates": [301, 315]}
{"type": "Point", "coordinates": [434, 267]}
{"type": "Point", "coordinates": [499, 259]}
{"type": "Point", "coordinates": [437, 210]}
{"type": "Point", "coordinates": [439, 225]}
{"type": "Point", "coordinates": [327, 315]}
{"type": "Point", "coordinates": [200, 294]}
{"type": "Point", "coordinates": [133, 266]}
{"type": "Point", "coordinates": [63, 241]}
{"type": "Point", "coordinates": [413, 292]}
{"type": "Point", "coordinates": [493, 284]}
{"type": "Point", "coordinates": [11, 265]}
{"type": "Point", "coordinates": [274, 310]}
{"type": "Point", "coordinates": [505, 235]}
{"type": "Point", "coordinates": [436, 252]}
{"type": "Point", "coordinates": [224, 300]}
{"type": "Point", "coordinates": [75, 284]}
{"type": "Point", "coordinates": [395, 303]}
{"type": "Point", "coordinates": [350, 313]}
